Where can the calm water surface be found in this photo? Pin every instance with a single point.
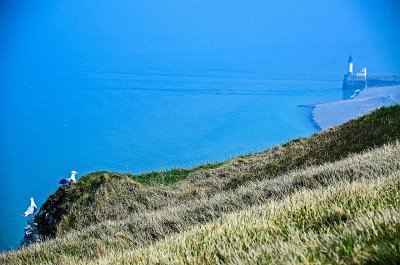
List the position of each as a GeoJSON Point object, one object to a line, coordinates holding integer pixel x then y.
{"type": "Point", "coordinates": [142, 114]}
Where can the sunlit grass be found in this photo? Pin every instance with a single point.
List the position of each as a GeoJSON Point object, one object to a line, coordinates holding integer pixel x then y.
{"type": "Point", "coordinates": [330, 198]}
{"type": "Point", "coordinates": [118, 238]}
{"type": "Point", "coordinates": [347, 223]}
{"type": "Point", "coordinates": [104, 196]}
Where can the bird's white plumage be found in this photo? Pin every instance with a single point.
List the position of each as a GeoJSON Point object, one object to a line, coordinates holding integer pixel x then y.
{"type": "Point", "coordinates": [70, 179]}
{"type": "Point", "coordinates": [31, 209]}
{"type": "Point", "coordinates": [73, 174]}
{"type": "Point", "coordinates": [33, 202]}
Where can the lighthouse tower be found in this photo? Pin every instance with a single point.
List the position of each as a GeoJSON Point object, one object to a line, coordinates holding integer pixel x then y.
{"type": "Point", "coordinates": [350, 61]}
{"type": "Point", "coordinates": [354, 80]}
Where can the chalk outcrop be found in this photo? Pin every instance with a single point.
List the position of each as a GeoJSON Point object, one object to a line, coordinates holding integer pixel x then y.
{"type": "Point", "coordinates": [362, 94]}
{"type": "Point", "coordinates": [331, 114]}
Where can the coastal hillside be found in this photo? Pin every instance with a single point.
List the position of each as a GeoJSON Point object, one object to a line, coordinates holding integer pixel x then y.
{"type": "Point", "coordinates": [329, 198]}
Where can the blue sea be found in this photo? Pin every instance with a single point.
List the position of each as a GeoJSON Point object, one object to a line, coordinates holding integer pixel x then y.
{"type": "Point", "coordinates": [137, 86]}
{"type": "Point", "coordinates": [138, 116]}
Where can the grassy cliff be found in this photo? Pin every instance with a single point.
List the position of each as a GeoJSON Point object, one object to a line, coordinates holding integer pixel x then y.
{"type": "Point", "coordinates": [282, 205]}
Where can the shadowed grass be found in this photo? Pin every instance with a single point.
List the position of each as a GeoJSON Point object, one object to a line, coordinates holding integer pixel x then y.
{"type": "Point", "coordinates": [96, 197]}
{"type": "Point", "coordinates": [170, 176]}
{"type": "Point", "coordinates": [112, 238]}
{"type": "Point", "coordinates": [112, 218]}
{"type": "Point", "coordinates": [347, 223]}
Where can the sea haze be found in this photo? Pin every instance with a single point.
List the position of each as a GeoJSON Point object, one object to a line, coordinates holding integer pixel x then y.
{"type": "Point", "coordinates": [135, 87]}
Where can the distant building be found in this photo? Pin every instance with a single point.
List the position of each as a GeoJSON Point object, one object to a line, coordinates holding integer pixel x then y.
{"type": "Point", "coordinates": [360, 79]}
{"type": "Point", "coordinates": [350, 61]}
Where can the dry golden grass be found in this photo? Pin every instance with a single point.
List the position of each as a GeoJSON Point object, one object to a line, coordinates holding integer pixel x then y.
{"type": "Point", "coordinates": [104, 196]}
{"type": "Point", "coordinates": [347, 223]}
{"type": "Point", "coordinates": [330, 198]}
{"type": "Point", "coordinates": [307, 206]}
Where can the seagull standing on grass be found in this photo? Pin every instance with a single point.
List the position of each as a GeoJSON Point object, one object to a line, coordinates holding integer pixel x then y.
{"type": "Point", "coordinates": [70, 179]}
{"type": "Point", "coordinates": [31, 209]}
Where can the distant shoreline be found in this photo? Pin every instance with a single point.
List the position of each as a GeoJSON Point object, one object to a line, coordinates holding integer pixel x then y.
{"type": "Point", "coordinates": [326, 115]}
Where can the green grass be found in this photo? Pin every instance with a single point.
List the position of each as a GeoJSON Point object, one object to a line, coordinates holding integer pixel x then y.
{"type": "Point", "coordinates": [124, 239]}
{"type": "Point", "coordinates": [121, 217]}
{"type": "Point", "coordinates": [72, 207]}
{"type": "Point", "coordinates": [96, 197]}
{"type": "Point", "coordinates": [348, 223]}
{"type": "Point", "coordinates": [170, 176]}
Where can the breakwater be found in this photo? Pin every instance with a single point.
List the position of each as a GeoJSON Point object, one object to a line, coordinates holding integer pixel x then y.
{"type": "Point", "coordinates": [354, 81]}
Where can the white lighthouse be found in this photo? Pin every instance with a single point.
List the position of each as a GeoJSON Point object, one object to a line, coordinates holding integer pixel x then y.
{"type": "Point", "coordinates": [350, 61]}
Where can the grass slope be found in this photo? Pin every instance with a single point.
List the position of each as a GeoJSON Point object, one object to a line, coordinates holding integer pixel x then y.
{"type": "Point", "coordinates": [348, 223]}
{"type": "Point", "coordinates": [123, 239]}
{"type": "Point", "coordinates": [112, 218]}
{"type": "Point", "coordinates": [104, 196]}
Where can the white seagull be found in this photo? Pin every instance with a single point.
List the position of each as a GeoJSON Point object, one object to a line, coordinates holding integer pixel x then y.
{"type": "Point", "coordinates": [31, 209]}
{"type": "Point", "coordinates": [70, 179]}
